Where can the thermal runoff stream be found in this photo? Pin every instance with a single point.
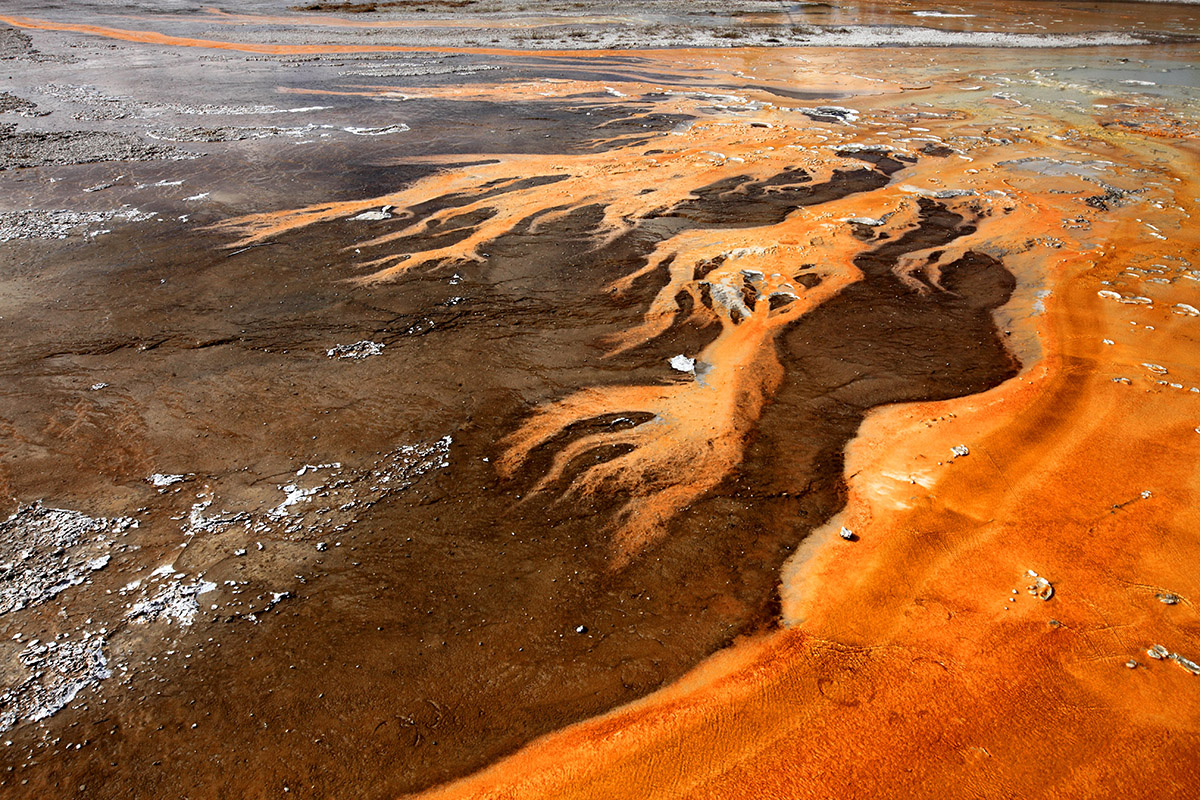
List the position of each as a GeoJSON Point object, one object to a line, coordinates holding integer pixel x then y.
{"type": "Point", "coordinates": [460, 400]}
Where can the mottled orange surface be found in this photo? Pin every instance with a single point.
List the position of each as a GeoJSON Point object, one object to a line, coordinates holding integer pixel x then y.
{"type": "Point", "coordinates": [910, 668]}
{"type": "Point", "coordinates": [913, 662]}
{"type": "Point", "coordinates": [916, 662]}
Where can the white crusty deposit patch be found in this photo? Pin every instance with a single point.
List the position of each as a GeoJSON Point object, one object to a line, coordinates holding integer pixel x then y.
{"type": "Point", "coordinates": [174, 600]}
{"type": "Point", "coordinates": [57, 671]}
{"type": "Point", "coordinates": [59, 223]}
{"type": "Point", "coordinates": [46, 550]}
{"type": "Point", "coordinates": [358, 350]}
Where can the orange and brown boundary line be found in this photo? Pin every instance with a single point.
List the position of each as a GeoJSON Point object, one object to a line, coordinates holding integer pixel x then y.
{"type": "Point", "coordinates": [916, 664]}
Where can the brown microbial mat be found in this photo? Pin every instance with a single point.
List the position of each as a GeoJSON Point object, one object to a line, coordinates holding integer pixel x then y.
{"type": "Point", "coordinates": [471, 400]}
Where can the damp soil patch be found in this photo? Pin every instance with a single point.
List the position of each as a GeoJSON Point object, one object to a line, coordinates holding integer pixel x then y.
{"type": "Point", "coordinates": [466, 616]}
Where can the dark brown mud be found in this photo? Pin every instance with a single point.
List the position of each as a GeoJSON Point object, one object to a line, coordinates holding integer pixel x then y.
{"type": "Point", "coordinates": [456, 621]}
{"type": "Point", "coordinates": [312, 415]}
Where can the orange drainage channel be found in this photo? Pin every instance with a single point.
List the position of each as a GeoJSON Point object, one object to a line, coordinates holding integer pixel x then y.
{"type": "Point", "coordinates": [153, 37]}
{"type": "Point", "coordinates": [917, 662]}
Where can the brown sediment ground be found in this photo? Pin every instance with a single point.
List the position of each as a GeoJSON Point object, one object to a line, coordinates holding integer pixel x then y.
{"type": "Point", "coordinates": [910, 666]}
{"type": "Point", "coordinates": [796, 23]}
{"type": "Point", "coordinates": [541, 463]}
{"type": "Point", "coordinates": [523, 22]}
{"type": "Point", "coordinates": [917, 659]}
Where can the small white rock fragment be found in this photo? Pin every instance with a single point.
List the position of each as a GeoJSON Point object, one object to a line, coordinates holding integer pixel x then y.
{"type": "Point", "coordinates": [358, 350]}
{"type": "Point", "coordinates": [1186, 663]}
{"type": "Point", "coordinates": [960, 450]}
{"type": "Point", "coordinates": [371, 216]}
{"type": "Point", "coordinates": [160, 479]}
{"type": "Point", "coordinates": [1160, 653]}
{"type": "Point", "coordinates": [846, 534]}
{"type": "Point", "coordinates": [682, 363]}
{"type": "Point", "coordinates": [399, 127]}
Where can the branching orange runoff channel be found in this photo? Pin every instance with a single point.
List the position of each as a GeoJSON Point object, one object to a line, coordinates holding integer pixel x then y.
{"type": "Point", "coordinates": [756, 279]}
{"type": "Point", "coordinates": [1005, 606]}
{"type": "Point", "coordinates": [915, 658]}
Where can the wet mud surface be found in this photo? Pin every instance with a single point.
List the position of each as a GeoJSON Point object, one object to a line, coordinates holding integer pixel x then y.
{"type": "Point", "coordinates": [455, 621]}
{"type": "Point", "coordinates": [367, 420]}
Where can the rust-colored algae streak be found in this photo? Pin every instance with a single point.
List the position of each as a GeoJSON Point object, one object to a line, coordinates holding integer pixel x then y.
{"type": "Point", "coordinates": [921, 652]}
{"type": "Point", "coordinates": [752, 282]}
{"type": "Point", "coordinates": [753, 278]}
{"type": "Point", "coordinates": [919, 662]}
